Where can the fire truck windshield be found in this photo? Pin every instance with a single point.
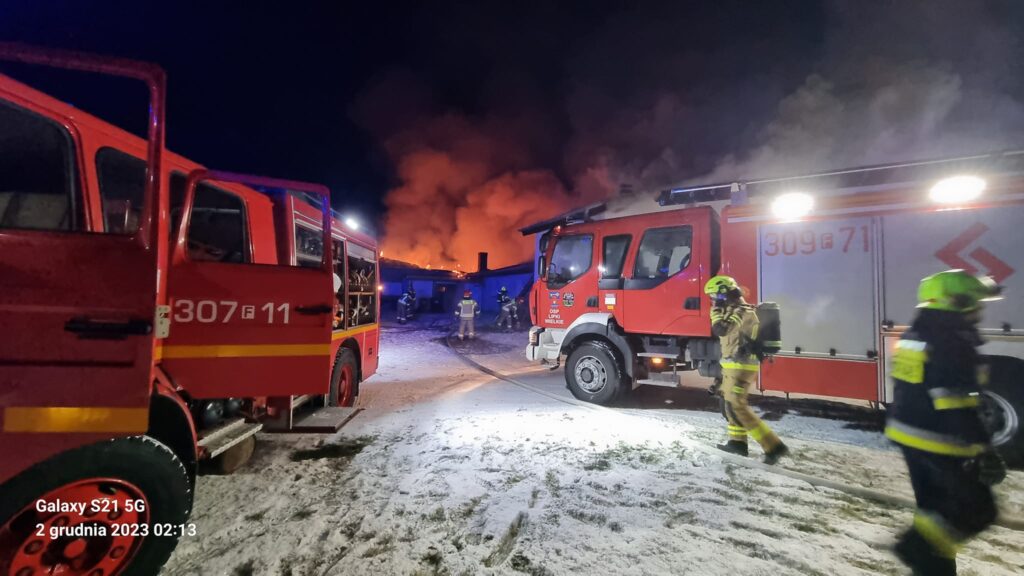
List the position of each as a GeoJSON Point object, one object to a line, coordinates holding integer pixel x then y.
{"type": "Point", "coordinates": [570, 259]}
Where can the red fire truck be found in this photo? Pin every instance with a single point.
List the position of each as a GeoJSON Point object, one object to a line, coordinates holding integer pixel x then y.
{"type": "Point", "coordinates": [841, 253]}
{"type": "Point", "coordinates": [152, 314]}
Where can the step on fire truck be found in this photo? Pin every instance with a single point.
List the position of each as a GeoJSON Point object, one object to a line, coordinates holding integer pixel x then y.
{"type": "Point", "coordinates": [153, 314]}
{"type": "Point", "coordinates": [841, 253]}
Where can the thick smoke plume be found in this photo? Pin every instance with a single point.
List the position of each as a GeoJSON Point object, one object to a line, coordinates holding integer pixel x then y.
{"type": "Point", "coordinates": [466, 188]}
{"type": "Point", "coordinates": [654, 99]}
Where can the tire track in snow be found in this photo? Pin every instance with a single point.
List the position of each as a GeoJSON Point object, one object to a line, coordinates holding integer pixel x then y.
{"type": "Point", "coordinates": [1010, 522]}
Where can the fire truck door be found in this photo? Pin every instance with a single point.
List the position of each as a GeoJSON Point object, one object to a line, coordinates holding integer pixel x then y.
{"type": "Point", "coordinates": [661, 294]}
{"type": "Point", "coordinates": [568, 289]}
{"type": "Point", "coordinates": [240, 329]}
{"type": "Point", "coordinates": [77, 296]}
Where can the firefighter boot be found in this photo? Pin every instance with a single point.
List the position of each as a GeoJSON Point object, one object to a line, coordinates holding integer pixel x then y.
{"type": "Point", "coordinates": [914, 551]}
{"type": "Point", "coordinates": [734, 447]}
{"type": "Point", "coordinates": [772, 456]}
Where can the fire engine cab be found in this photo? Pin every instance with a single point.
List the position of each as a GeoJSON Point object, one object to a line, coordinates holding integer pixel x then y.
{"type": "Point", "coordinates": [841, 253]}
{"type": "Point", "coordinates": [153, 314]}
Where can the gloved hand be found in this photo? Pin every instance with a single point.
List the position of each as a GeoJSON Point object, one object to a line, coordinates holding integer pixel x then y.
{"type": "Point", "coordinates": [715, 386]}
{"type": "Point", "coordinates": [991, 468]}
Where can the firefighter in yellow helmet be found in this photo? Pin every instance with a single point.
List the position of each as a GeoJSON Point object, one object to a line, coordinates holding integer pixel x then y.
{"type": "Point", "coordinates": [936, 421]}
{"type": "Point", "coordinates": [735, 323]}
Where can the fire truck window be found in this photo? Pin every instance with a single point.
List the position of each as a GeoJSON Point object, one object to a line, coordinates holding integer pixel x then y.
{"type": "Point", "coordinates": [338, 261]}
{"type": "Point", "coordinates": [570, 259]}
{"type": "Point", "coordinates": [614, 255]}
{"type": "Point", "coordinates": [37, 173]}
{"type": "Point", "coordinates": [309, 246]}
{"type": "Point", "coordinates": [361, 307]}
{"type": "Point", "coordinates": [663, 252]}
{"type": "Point", "coordinates": [122, 179]}
{"type": "Point", "coordinates": [218, 230]}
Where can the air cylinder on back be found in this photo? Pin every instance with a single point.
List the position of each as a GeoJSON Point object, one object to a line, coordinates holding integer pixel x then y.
{"type": "Point", "coordinates": [769, 333]}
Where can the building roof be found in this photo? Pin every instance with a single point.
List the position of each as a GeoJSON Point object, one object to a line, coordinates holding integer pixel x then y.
{"type": "Point", "coordinates": [396, 270]}
{"type": "Point", "coordinates": [521, 268]}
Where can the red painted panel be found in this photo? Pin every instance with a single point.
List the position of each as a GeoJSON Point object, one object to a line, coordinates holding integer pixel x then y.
{"type": "Point", "coordinates": [561, 304]}
{"type": "Point", "coordinates": [251, 377]}
{"type": "Point", "coordinates": [661, 309]}
{"type": "Point", "coordinates": [739, 253]}
{"type": "Point", "coordinates": [821, 376]}
{"type": "Point", "coordinates": [58, 288]}
{"type": "Point", "coordinates": [371, 352]}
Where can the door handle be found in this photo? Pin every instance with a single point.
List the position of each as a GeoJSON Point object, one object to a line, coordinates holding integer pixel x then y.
{"type": "Point", "coordinates": [89, 329]}
{"type": "Point", "coordinates": [691, 303]}
{"type": "Point", "coordinates": [315, 309]}
{"type": "Point", "coordinates": [592, 302]}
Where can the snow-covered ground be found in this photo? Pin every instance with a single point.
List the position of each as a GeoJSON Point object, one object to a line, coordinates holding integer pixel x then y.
{"type": "Point", "coordinates": [449, 471]}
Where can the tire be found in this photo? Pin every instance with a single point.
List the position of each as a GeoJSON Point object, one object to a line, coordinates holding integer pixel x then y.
{"type": "Point", "coordinates": [593, 374]}
{"type": "Point", "coordinates": [343, 379]}
{"type": "Point", "coordinates": [1003, 408]}
{"type": "Point", "coordinates": [136, 467]}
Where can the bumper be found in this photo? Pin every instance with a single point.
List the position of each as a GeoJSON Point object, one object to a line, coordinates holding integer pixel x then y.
{"type": "Point", "coordinates": [542, 345]}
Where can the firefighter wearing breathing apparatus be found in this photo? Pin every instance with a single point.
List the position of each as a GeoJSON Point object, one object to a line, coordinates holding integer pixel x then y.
{"type": "Point", "coordinates": [506, 310]}
{"type": "Point", "coordinates": [407, 305]}
{"type": "Point", "coordinates": [936, 421]}
{"type": "Point", "coordinates": [735, 323]}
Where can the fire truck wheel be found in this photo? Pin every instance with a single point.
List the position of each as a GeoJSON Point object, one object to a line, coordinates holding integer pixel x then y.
{"type": "Point", "coordinates": [593, 373]}
{"type": "Point", "coordinates": [1003, 408]}
{"type": "Point", "coordinates": [343, 379]}
{"type": "Point", "coordinates": [114, 536]}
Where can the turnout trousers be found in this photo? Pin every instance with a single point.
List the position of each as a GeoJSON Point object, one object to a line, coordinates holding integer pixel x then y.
{"type": "Point", "coordinates": [952, 506]}
{"type": "Point", "coordinates": [467, 324]}
{"type": "Point", "coordinates": [736, 384]}
{"type": "Point", "coordinates": [504, 317]}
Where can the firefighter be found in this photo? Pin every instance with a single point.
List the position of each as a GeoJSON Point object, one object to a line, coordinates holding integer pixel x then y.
{"type": "Point", "coordinates": [406, 305]}
{"type": "Point", "coordinates": [935, 420]}
{"type": "Point", "coordinates": [506, 309]}
{"type": "Point", "coordinates": [467, 310]}
{"type": "Point", "coordinates": [735, 323]}
{"type": "Point", "coordinates": [403, 307]}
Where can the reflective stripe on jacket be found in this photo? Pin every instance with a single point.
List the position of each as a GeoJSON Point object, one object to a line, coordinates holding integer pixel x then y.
{"type": "Point", "coordinates": [467, 309]}
{"type": "Point", "coordinates": [736, 327]}
{"type": "Point", "coordinates": [936, 394]}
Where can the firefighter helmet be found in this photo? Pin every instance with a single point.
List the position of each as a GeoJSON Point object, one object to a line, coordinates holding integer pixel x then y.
{"type": "Point", "coordinates": [719, 287]}
{"type": "Point", "coordinates": [956, 291]}
{"type": "Point", "coordinates": [503, 289]}
{"type": "Point", "coordinates": [467, 294]}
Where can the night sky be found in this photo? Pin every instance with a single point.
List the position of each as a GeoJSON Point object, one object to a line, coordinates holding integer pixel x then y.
{"type": "Point", "coordinates": [283, 89]}
{"type": "Point", "coordinates": [445, 103]}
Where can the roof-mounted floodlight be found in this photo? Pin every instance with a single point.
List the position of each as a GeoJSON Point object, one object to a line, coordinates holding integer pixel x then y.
{"type": "Point", "coordinates": [957, 189]}
{"type": "Point", "coordinates": [792, 205]}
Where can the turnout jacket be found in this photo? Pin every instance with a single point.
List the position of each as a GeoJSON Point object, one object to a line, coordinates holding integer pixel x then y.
{"type": "Point", "coordinates": [467, 308]}
{"type": "Point", "coordinates": [736, 326]}
{"type": "Point", "coordinates": [937, 394]}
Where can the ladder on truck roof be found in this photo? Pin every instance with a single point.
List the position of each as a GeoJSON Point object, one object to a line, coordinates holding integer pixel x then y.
{"type": "Point", "coordinates": [862, 178]}
{"type": "Point", "coordinates": [858, 179]}
{"type": "Point", "coordinates": [575, 216]}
